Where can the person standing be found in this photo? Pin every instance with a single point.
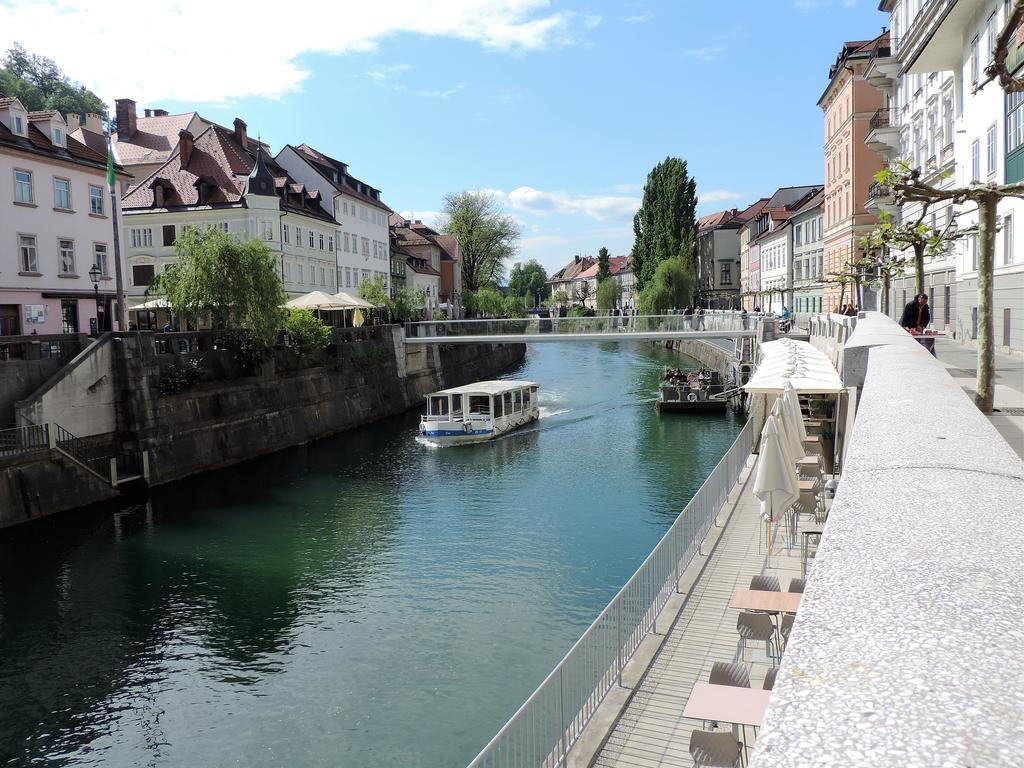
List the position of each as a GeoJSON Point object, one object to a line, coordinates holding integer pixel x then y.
{"type": "Point", "coordinates": [917, 314]}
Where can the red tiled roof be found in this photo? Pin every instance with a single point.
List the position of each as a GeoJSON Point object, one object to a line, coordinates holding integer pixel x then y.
{"type": "Point", "coordinates": [449, 247]}
{"type": "Point", "coordinates": [154, 141]}
{"type": "Point", "coordinates": [421, 267]}
{"type": "Point", "coordinates": [716, 220]}
{"type": "Point", "coordinates": [572, 270]}
{"type": "Point", "coordinates": [347, 183]}
{"type": "Point", "coordinates": [97, 142]}
{"type": "Point", "coordinates": [39, 143]}
{"type": "Point", "coordinates": [220, 161]}
{"type": "Point", "coordinates": [616, 264]}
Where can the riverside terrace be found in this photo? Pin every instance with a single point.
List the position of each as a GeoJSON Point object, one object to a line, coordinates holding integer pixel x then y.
{"type": "Point", "coordinates": [906, 642]}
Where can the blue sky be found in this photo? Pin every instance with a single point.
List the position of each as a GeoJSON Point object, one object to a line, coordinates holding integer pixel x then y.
{"type": "Point", "coordinates": [559, 106]}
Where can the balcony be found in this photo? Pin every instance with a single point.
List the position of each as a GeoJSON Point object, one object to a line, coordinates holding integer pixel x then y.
{"type": "Point", "coordinates": [884, 134]}
{"type": "Point", "coordinates": [934, 41]}
{"type": "Point", "coordinates": [883, 67]}
{"type": "Point", "coordinates": [880, 198]}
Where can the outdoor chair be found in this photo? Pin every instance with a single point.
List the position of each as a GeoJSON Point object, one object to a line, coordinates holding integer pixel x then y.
{"type": "Point", "coordinates": [797, 585]}
{"type": "Point", "coordinates": [714, 749]}
{"type": "Point", "coordinates": [723, 673]}
{"type": "Point", "coordinates": [759, 627]}
{"type": "Point", "coordinates": [804, 553]}
{"type": "Point", "coordinates": [769, 679]}
{"type": "Point", "coordinates": [786, 627]}
{"type": "Point", "coordinates": [766, 582]}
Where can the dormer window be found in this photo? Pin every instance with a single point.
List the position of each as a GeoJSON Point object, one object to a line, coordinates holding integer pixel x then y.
{"type": "Point", "coordinates": [58, 137]}
{"type": "Point", "coordinates": [19, 125]}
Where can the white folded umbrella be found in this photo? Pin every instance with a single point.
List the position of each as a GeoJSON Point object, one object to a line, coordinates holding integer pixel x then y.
{"type": "Point", "coordinates": [774, 476]}
{"type": "Point", "coordinates": [793, 403]}
{"type": "Point", "coordinates": [787, 429]}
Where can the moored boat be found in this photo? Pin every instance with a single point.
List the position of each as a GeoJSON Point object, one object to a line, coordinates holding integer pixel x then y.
{"type": "Point", "coordinates": [697, 391]}
{"type": "Point", "coordinates": [477, 412]}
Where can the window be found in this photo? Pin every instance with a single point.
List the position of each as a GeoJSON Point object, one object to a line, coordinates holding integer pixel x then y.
{"type": "Point", "coordinates": [62, 194]}
{"type": "Point", "coordinates": [330, 244]}
{"type": "Point", "coordinates": [99, 257]}
{"type": "Point", "coordinates": [321, 242]}
{"type": "Point", "coordinates": [726, 273]}
{"type": "Point", "coordinates": [23, 187]}
{"type": "Point", "coordinates": [143, 274]}
{"type": "Point", "coordinates": [19, 125]}
{"type": "Point", "coordinates": [991, 32]}
{"type": "Point", "coordinates": [323, 276]}
{"type": "Point", "coordinates": [169, 234]}
{"type": "Point", "coordinates": [267, 229]}
{"type": "Point", "coordinates": [975, 65]}
{"type": "Point", "coordinates": [1008, 239]}
{"type": "Point", "coordinates": [298, 237]}
{"type": "Point", "coordinates": [946, 308]}
{"type": "Point", "coordinates": [798, 232]}
{"type": "Point", "coordinates": [344, 242]}
{"type": "Point", "coordinates": [990, 150]}
{"type": "Point", "coordinates": [975, 160]}
{"type": "Point", "coordinates": [1014, 121]}
{"type": "Point", "coordinates": [141, 237]}
{"type": "Point", "coordinates": [299, 271]}
{"type": "Point", "coordinates": [285, 233]}
{"type": "Point", "coordinates": [974, 252]}
{"type": "Point", "coordinates": [58, 137]}
{"type": "Point", "coordinates": [311, 238]}
{"type": "Point", "coordinates": [363, 213]}
{"type": "Point", "coordinates": [348, 277]}
{"type": "Point", "coordinates": [29, 254]}
{"type": "Point", "coordinates": [95, 200]}
{"type": "Point", "coordinates": [287, 270]}
{"type": "Point", "coordinates": [366, 247]}
{"type": "Point", "coordinates": [66, 250]}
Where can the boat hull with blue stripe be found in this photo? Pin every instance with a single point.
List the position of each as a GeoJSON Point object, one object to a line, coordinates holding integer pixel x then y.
{"type": "Point", "coordinates": [478, 412]}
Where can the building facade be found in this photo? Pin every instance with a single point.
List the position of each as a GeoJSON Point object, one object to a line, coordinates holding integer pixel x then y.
{"type": "Point", "coordinates": [363, 239]}
{"type": "Point", "coordinates": [567, 279]}
{"type": "Point", "coordinates": [749, 253]}
{"type": "Point", "coordinates": [770, 250]}
{"type": "Point", "coordinates": [619, 271]}
{"type": "Point", "coordinates": [423, 262]}
{"type": "Point", "coordinates": [988, 147]}
{"type": "Point", "coordinates": [55, 223]}
{"type": "Point", "coordinates": [718, 259]}
{"type": "Point", "coordinates": [848, 105]}
{"type": "Point", "coordinates": [226, 180]}
{"type": "Point", "coordinates": [808, 227]}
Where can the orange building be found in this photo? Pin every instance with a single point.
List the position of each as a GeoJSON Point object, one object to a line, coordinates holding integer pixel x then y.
{"type": "Point", "coordinates": [848, 103]}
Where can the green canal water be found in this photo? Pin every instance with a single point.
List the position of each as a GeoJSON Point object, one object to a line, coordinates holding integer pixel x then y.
{"type": "Point", "coordinates": [365, 601]}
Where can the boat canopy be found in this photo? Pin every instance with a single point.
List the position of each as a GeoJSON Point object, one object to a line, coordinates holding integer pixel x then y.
{"type": "Point", "coordinates": [486, 388]}
{"type": "Point", "coordinates": [804, 366]}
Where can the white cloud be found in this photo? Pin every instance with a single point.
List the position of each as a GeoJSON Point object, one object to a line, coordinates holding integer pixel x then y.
{"type": "Point", "coordinates": [382, 72]}
{"type": "Point", "coordinates": [201, 51]}
{"type": "Point", "coordinates": [430, 218]}
{"type": "Point", "coordinates": [638, 18]}
{"type": "Point", "coordinates": [717, 195]}
{"type": "Point", "coordinates": [540, 203]}
{"type": "Point", "coordinates": [591, 22]}
{"type": "Point", "coordinates": [707, 53]}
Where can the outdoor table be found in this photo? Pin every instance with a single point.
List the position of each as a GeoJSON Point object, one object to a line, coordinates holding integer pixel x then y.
{"type": "Point", "coordinates": [727, 704]}
{"type": "Point", "coordinates": [811, 460]}
{"type": "Point", "coordinates": [765, 601]}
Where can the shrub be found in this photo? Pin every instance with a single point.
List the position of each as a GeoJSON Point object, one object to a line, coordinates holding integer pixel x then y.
{"type": "Point", "coordinates": [306, 331]}
{"type": "Point", "coordinates": [178, 378]}
{"type": "Point", "coordinates": [581, 312]}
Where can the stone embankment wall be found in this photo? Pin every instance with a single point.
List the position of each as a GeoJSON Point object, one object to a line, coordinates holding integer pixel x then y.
{"type": "Point", "coordinates": [112, 392]}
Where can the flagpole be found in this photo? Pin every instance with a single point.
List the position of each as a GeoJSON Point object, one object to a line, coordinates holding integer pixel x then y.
{"type": "Point", "coordinates": [111, 183]}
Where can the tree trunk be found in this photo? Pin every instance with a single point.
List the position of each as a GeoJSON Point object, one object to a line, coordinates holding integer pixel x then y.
{"type": "Point", "coordinates": [842, 296]}
{"type": "Point", "coordinates": [886, 280]}
{"type": "Point", "coordinates": [919, 267]}
{"type": "Point", "coordinates": [985, 396]}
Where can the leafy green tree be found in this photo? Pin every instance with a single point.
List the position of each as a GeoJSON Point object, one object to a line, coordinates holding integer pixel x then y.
{"type": "Point", "coordinates": [487, 237]}
{"type": "Point", "coordinates": [515, 306]}
{"type": "Point", "coordinates": [406, 305]}
{"type": "Point", "coordinates": [671, 287]}
{"type": "Point", "coordinates": [914, 234]}
{"type": "Point", "coordinates": [665, 221]}
{"type": "Point", "coordinates": [581, 293]}
{"type": "Point", "coordinates": [307, 332]}
{"type": "Point", "coordinates": [603, 270]}
{"type": "Point", "coordinates": [527, 280]}
{"type": "Point", "coordinates": [608, 292]}
{"type": "Point", "coordinates": [40, 84]}
{"type": "Point", "coordinates": [490, 302]}
{"type": "Point", "coordinates": [235, 283]}
{"type": "Point", "coordinates": [373, 291]}
{"type": "Point", "coordinates": [557, 299]}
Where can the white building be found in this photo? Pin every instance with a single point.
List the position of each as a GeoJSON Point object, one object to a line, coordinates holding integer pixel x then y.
{"type": "Point", "coordinates": [776, 258]}
{"type": "Point", "coordinates": [363, 251]}
{"type": "Point", "coordinates": [808, 225]}
{"type": "Point", "coordinates": [988, 143]}
{"type": "Point", "coordinates": [55, 224]}
{"type": "Point", "coordinates": [718, 259]}
{"type": "Point", "coordinates": [224, 179]}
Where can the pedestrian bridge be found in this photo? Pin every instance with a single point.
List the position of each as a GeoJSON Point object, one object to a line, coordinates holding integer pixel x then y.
{"type": "Point", "coordinates": [726, 325]}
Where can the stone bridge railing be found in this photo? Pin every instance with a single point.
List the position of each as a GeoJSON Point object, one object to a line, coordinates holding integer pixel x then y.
{"type": "Point", "coordinates": [908, 643]}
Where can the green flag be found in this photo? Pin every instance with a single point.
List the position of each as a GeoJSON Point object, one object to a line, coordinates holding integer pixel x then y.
{"type": "Point", "coordinates": [110, 167]}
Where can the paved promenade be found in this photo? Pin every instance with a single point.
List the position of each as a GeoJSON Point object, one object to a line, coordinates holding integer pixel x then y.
{"type": "Point", "coordinates": [651, 731]}
{"type": "Point", "coordinates": [962, 364]}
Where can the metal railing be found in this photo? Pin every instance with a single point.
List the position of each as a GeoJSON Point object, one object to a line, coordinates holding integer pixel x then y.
{"type": "Point", "coordinates": [19, 440]}
{"type": "Point", "coordinates": [82, 452]}
{"type": "Point", "coordinates": [724, 321]}
{"type": "Point", "coordinates": [881, 119]}
{"type": "Point", "coordinates": [877, 191]}
{"type": "Point", "coordinates": [60, 347]}
{"type": "Point", "coordinates": [551, 720]}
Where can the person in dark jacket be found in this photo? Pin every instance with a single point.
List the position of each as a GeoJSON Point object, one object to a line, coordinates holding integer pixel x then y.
{"type": "Point", "coordinates": [917, 314]}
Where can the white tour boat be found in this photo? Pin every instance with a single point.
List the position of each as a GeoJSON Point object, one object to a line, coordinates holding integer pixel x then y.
{"type": "Point", "coordinates": [478, 412]}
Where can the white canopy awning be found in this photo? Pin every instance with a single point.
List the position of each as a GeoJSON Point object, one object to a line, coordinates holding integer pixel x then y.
{"type": "Point", "coordinates": [799, 363]}
{"type": "Point", "coordinates": [158, 303]}
{"type": "Point", "coordinates": [353, 302]}
{"type": "Point", "coordinates": [317, 300]}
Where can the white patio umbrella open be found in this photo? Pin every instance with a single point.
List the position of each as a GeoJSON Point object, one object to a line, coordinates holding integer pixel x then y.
{"type": "Point", "coordinates": [158, 303]}
{"type": "Point", "coordinates": [353, 302]}
{"type": "Point", "coordinates": [774, 476]}
{"type": "Point", "coordinates": [316, 300]}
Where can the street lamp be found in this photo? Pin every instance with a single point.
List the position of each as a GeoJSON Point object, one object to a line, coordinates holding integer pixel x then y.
{"type": "Point", "coordinates": [94, 274]}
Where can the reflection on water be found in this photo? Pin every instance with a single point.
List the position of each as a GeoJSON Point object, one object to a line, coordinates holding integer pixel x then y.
{"type": "Point", "coordinates": [364, 601]}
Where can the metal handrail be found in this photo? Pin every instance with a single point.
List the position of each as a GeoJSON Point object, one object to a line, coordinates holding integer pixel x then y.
{"type": "Point", "coordinates": [878, 190]}
{"type": "Point", "coordinates": [27, 439]}
{"type": "Point", "coordinates": [551, 720]}
{"type": "Point", "coordinates": [881, 119]}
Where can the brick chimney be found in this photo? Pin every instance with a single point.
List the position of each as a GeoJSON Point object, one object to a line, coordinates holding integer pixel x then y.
{"type": "Point", "coordinates": [241, 132]}
{"type": "Point", "coordinates": [73, 120]}
{"type": "Point", "coordinates": [127, 119]}
{"type": "Point", "coordinates": [148, 112]}
{"type": "Point", "coordinates": [186, 141]}
{"type": "Point", "coordinates": [159, 113]}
